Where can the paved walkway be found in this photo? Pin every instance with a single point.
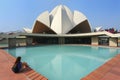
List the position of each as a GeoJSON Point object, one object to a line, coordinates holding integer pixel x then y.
{"type": "Point", "coordinates": [109, 71]}
{"type": "Point", "coordinates": [7, 61]}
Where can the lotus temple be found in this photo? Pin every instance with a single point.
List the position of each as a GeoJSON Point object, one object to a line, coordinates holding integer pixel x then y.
{"type": "Point", "coordinates": [63, 26]}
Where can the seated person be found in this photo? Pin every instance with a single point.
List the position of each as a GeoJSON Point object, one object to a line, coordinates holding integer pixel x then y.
{"type": "Point", "coordinates": [19, 66]}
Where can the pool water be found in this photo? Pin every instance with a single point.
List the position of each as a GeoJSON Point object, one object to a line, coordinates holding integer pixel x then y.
{"type": "Point", "coordinates": [63, 62]}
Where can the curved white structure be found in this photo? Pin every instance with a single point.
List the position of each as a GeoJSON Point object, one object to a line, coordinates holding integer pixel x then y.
{"type": "Point", "coordinates": [61, 21]}
{"type": "Point", "coordinates": [27, 30]}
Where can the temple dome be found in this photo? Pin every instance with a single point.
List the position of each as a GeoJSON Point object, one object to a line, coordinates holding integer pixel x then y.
{"type": "Point", "coordinates": [61, 20]}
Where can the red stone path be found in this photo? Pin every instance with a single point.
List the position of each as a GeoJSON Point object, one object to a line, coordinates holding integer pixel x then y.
{"type": "Point", "coordinates": [108, 71]}
{"type": "Point", "coordinates": [7, 61]}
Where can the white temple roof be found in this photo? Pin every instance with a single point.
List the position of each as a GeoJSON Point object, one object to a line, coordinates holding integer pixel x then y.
{"type": "Point", "coordinates": [60, 20]}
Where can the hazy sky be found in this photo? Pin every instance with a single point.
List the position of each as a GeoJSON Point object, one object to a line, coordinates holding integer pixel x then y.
{"type": "Point", "coordinates": [16, 14]}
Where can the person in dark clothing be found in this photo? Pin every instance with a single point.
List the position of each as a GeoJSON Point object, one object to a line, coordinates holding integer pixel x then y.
{"type": "Point", "coordinates": [18, 65]}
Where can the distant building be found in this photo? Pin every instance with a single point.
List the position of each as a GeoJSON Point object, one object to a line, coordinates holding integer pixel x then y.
{"type": "Point", "coordinates": [98, 29]}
